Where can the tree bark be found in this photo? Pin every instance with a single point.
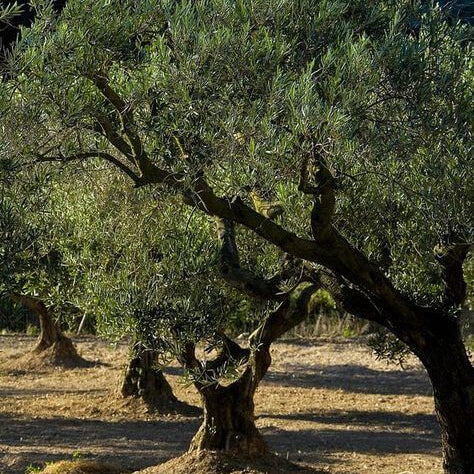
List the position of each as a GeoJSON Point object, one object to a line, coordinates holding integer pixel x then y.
{"type": "Point", "coordinates": [452, 375]}
{"type": "Point", "coordinates": [440, 348]}
{"type": "Point", "coordinates": [143, 380]}
{"type": "Point", "coordinates": [229, 418]}
{"type": "Point", "coordinates": [229, 421]}
{"type": "Point", "coordinates": [50, 333]}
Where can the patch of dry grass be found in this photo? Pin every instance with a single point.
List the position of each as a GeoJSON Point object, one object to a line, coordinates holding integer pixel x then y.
{"type": "Point", "coordinates": [82, 467]}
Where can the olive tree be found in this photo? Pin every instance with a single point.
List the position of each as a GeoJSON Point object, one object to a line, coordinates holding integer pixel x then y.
{"type": "Point", "coordinates": [30, 268]}
{"type": "Point", "coordinates": [356, 122]}
{"type": "Point", "coordinates": [109, 238]}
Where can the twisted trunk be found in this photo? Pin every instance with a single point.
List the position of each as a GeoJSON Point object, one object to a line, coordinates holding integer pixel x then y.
{"type": "Point", "coordinates": [229, 420]}
{"type": "Point", "coordinates": [53, 348]}
{"type": "Point", "coordinates": [434, 337]}
{"type": "Point", "coordinates": [50, 332]}
{"type": "Point", "coordinates": [143, 380]}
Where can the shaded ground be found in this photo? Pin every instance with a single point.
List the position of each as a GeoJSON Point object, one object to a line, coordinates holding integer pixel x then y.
{"type": "Point", "coordinates": [325, 405]}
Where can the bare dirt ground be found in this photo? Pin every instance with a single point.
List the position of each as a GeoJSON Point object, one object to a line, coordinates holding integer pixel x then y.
{"type": "Point", "coordinates": [325, 405]}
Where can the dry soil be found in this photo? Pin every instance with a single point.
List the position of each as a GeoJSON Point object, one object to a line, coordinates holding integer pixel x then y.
{"type": "Point", "coordinates": [325, 405]}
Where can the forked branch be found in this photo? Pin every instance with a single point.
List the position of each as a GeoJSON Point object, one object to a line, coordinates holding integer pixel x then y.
{"type": "Point", "coordinates": [291, 312]}
{"type": "Point", "coordinates": [234, 274]}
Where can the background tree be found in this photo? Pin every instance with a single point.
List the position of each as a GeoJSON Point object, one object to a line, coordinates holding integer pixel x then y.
{"type": "Point", "coordinates": [109, 238]}
{"type": "Point", "coordinates": [315, 105]}
{"type": "Point", "coordinates": [29, 271]}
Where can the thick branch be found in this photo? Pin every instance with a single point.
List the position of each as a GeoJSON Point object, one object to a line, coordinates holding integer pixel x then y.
{"type": "Point", "coordinates": [233, 349]}
{"type": "Point", "coordinates": [232, 272]}
{"type": "Point", "coordinates": [350, 298]}
{"type": "Point", "coordinates": [314, 168]}
{"type": "Point", "coordinates": [230, 353]}
{"type": "Point", "coordinates": [124, 110]}
{"type": "Point", "coordinates": [108, 131]}
{"type": "Point", "coordinates": [336, 253]}
{"type": "Point", "coordinates": [30, 302]}
{"type": "Point", "coordinates": [289, 314]}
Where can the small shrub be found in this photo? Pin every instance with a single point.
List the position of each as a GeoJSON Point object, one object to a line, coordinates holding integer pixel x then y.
{"type": "Point", "coordinates": [30, 469]}
{"type": "Point", "coordinates": [32, 330]}
{"type": "Point", "coordinates": [77, 455]}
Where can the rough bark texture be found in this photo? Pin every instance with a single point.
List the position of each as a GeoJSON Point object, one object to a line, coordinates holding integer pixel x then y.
{"type": "Point", "coordinates": [229, 423]}
{"type": "Point", "coordinates": [50, 333]}
{"type": "Point", "coordinates": [440, 348]}
{"type": "Point", "coordinates": [452, 377]}
{"type": "Point", "coordinates": [143, 380]}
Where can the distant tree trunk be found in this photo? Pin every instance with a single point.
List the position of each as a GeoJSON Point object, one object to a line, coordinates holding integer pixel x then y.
{"type": "Point", "coordinates": [443, 354]}
{"type": "Point", "coordinates": [53, 347]}
{"type": "Point", "coordinates": [50, 333]}
{"type": "Point", "coordinates": [143, 380]}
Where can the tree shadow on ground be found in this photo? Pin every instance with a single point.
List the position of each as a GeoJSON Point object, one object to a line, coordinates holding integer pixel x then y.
{"type": "Point", "coordinates": [417, 422]}
{"type": "Point", "coordinates": [132, 444]}
{"type": "Point", "coordinates": [352, 378]}
{"type": "Point", "coordinates": [138, 444]}
{"type": "Point", "coordinates": [318, 445]}
{"type": "Point", "coordinates": [25, 392]}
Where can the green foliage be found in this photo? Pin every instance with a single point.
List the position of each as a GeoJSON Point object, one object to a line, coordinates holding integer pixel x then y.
{"type": "Point", "coordinates": [77, 455]}
{"type": "Point", "coordinates": [144, 267]}
{"type": "Point", "coordinates": [8, 12]}
{"type": "Point", "coordinates": [240, 92]}
{"type": "Point", "coordinates": [387, 347]}
{"type": "Point", "coordinates": [30, 469]}
{"type": "Point", "coordinates": [321, 299]}
{"type": "Point", "coordinates": [347, 333]}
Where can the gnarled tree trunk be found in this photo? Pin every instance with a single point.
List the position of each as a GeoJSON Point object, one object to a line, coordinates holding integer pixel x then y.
{"type": "Point", "coordinates": [437, 342]}
{"type": "Point", "coordinates": [452, 375]}
{"type": "Point", "coordinates": [143, 380]}
{"type": "Point", "coordinates": [229, 417]}
{"type": "Point", "coordinates": [50, 333]}
{"type": "Point", "coordinates": [229, 421]}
